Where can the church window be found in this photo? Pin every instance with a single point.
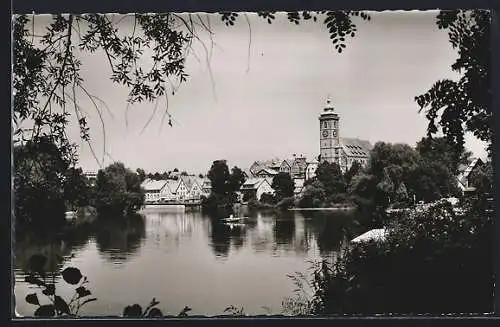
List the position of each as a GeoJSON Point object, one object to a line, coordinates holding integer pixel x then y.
{"type": "Point", "coordinates": [325, 125]}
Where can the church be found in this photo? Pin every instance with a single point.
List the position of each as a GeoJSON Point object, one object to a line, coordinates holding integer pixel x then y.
{"type": "Point", "coordinates": [340, 150]}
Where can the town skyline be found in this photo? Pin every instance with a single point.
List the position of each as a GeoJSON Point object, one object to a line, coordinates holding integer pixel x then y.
{"type": "Point", "coordinates": [267, 104]}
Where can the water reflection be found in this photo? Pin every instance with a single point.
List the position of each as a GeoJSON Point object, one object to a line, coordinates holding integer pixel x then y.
{"type": "Point", "coordinates": [57, 249]}
{"type": "Point", "coordinates": [220, 237]}
{"type": "Point", "coordinates": [119, 239]}
{"type": "Point", "coordinates": [192, 256]}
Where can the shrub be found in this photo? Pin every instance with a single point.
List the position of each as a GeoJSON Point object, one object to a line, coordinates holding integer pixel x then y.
{"type": "Point", "coordinates": [286, 203]}
{"type": "Point", "coordinates": [433, 261]}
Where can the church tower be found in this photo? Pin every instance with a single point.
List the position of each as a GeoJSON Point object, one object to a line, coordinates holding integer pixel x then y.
{"type": "Point", "coordinates": [329, 135]}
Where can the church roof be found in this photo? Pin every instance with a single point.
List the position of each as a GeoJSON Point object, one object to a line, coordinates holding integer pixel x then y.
{"type": "Point", "coordinates": [355, 147]}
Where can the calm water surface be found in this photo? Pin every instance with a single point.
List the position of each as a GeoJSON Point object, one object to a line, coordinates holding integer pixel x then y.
{"type": "Point", "coordinates": [186, 258]}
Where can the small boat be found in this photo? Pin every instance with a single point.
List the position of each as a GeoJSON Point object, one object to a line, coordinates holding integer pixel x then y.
{"type": "Point", "coordinates": [231, 218]}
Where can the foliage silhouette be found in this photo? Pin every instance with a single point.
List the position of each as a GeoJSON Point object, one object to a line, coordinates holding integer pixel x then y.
{"type": "Point", "coordinates": [58, 306]}
{"type": "Point", "coordinates": [461, 106]}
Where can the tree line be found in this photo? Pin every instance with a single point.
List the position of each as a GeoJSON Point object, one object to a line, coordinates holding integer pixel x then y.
{"type": "Point", "coordinates": [46, 185]}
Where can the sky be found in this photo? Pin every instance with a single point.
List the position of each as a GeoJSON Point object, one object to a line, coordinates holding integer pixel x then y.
{"type": "Point", "coordinates": [270, 83]}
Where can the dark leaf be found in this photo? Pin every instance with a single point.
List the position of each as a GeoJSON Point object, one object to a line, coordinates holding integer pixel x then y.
{"type": "Point", "coordinates": [134, 310]}
{"type": "Point", "coordinates": [49, 290]}
{"type": "Point", "coordinates": [45, 311]}
{"type": "Point", "coordinates": [82, 291]}
{"type": "Point", "coordinates": [32, 299]}
{"type": "Point", "coordinates": [186, 309]}
{"type": "Point", "coordinates": [61, 305]}
{"type": "Point", "coordinates": [72, 275]}
{"type": "Point", "coordinates": [155, 313]}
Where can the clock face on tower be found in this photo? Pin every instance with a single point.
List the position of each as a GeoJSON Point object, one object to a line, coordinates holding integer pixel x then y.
{"type": "Point", "coordinates": [325, 133]}
{"type": "Point", "coordinates": [334, 132]}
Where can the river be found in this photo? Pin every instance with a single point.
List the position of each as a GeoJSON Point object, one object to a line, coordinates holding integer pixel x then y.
{"type": "Point", "coordinates": [186, 259]}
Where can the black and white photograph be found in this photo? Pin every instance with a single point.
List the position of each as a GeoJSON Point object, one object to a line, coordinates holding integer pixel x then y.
{"type": "Point", "coordinates": [243, 164]}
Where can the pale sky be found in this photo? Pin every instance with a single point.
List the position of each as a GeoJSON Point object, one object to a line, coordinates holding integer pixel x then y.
{"type": "Point", "coordinates": [272, 109]}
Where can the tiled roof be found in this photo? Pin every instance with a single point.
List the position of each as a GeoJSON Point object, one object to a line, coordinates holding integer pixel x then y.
{"type": "Point", "coordinates": [153, 185]}
{"type": "Point", "coordinates": [301, 162]}
{"type": "Point", "coordinates": [268, 171]}
{"type": "Point", "coordinates": [288, 161]}
{"type": "Point", "coordinates": [259, 165]}
{"type": "Point", "coordinates": [172, 185]}
{"type": "Point", "coordinates": [188, 181]}
{"type": "Point", "coordinates": [356, 147]}
{"type": "Point", "coordinates": [252, 183]}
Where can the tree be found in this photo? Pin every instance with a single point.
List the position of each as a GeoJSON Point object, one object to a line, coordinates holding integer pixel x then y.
{"type": "Point", "coordinates": [236, 179]}
{"type": "Point", "coordinates": [39, 178]}
{"type": "Point", "coordinates": [76, 188]}
{"type": "Point", "coordinates": [219, 177]}
{"type": "Point", "coordinates": [118, 191]}
{"type": "Point", "coordinates": [330, 176]}
{"type": "Point", "coordinates": [353, 171]}
{"type": "Point", "coordinates": [438, 149]}
{"type": "Point", "coordinates": [313, 196]}
{"type": "Point", "coordinates": [224, 186]}
{"type": "Point", "coordinates": [141, 173]}
{"type": "Point", "coordinates": [283, 185]}
{"type": "Point", "coordinates": [464, 105]}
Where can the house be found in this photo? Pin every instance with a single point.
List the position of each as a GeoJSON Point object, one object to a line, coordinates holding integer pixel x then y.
{"type": "Point", "coordinates": [298, 169]}
{"type": "Point", "coordinates": [257, 166]}
{"type": "Point", "coordinates": [266, 173]}
{"type": "Point", "coordinates": [311, 169]}
{"type": "Point", "coordinates": [168, 193]}
{"type": "Point", "coordinates": [193, 185]}
{"type": "Point", "coordinates": [255, 187]}
{"type": "Point", "coordinates": [182, 190]}
{"type": "Point", "coordinates": [153, 190]}
{"type": "Point", "coordinates": [465, 173]}
{"type": "Point", "coordinates": [91, 177]}
{"type": "Point", "coordinates": [286, 166]}
{"type": "Point", "coordinates": [299, 186]}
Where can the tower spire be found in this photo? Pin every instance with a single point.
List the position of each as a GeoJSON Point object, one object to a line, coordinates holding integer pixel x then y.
{"type": "Point", "coordinates": [329, 106]}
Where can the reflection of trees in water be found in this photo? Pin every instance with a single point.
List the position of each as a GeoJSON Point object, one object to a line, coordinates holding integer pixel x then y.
{"type": "Point", "coordinates": [56, 248]}
{"type": "Point", "coordinates": [118, 239]}
{"type": "Point", "coordinates": [329, 229]}
{"type": "Point", "coordinates": [220, 238]}
{"type": "Point", "coordinates": [284, 230]}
